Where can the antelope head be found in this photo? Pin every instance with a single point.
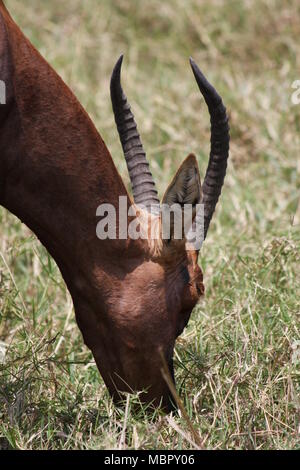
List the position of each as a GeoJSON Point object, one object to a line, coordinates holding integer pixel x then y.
{"type": "Point", "coordinates": [162, 290]}
{"type": "Point", "coordinates": [132, 297]}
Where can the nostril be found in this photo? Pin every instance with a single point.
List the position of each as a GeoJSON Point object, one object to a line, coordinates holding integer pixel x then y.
{"type": "Point", "coordinates": [200, 289]}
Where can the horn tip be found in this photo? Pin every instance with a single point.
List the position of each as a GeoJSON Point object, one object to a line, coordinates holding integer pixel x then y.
{"type": "Point", "coordinates": [192, 64]}
{"type": "Point", "coordinates": [211, 96]}
{"type": "Point", "coordinates": [197, 72]}
{"type": "Point", "coordinates": [117, 68]}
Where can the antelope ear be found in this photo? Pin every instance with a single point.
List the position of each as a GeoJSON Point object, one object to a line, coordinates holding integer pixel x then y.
{"type": "Point", "coordinates": [185, 187]}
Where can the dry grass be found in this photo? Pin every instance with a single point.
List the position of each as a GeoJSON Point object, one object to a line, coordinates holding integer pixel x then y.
{"type": "Point", "coordinates": [237, 363]}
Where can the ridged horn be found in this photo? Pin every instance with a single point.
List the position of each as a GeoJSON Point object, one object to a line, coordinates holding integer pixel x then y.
{"type": "Point", "coordinates": [142, 183]}
{"type": "Point", "coordinates": [219, 150]}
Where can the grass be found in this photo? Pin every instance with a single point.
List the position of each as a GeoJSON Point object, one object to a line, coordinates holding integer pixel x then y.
{"type": "Point", "coordinates": [237, 363]}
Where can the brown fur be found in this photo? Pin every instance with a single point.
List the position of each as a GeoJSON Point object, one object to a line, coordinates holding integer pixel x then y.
{"type": "Point", "coordinates": [54, 172]}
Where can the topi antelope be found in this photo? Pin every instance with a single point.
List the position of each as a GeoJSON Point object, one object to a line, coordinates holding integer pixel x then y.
{"type": "Point", "coordinates": [132, 298]}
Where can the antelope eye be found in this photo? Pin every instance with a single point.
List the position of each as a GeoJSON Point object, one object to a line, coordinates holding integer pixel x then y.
{"type": "Point", "coordinates": [185, 275]}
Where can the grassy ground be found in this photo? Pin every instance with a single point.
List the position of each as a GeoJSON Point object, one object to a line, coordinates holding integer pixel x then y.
{"type": "Point", "coordinates": [237, 363]}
